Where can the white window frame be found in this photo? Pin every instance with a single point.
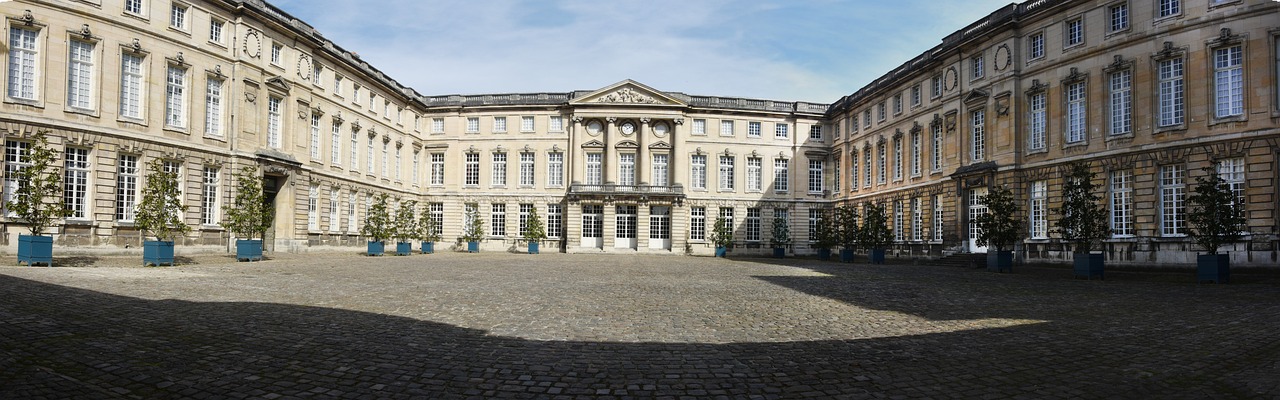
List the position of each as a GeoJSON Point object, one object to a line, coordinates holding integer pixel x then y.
{"type": "Point", "coordinates": [555, 169]}
{"type": "Point", "coordinates": [1228, 81]}
{"type": "Point", "coordinates": [527, 169]}
{"type": "Point", "coordinates": [755, 169]}
{"type": "Point", "coordinates": [127, 174]}
{"type": "Point", "coordinates": [815, 176]}
{"type": "Point", "coordinates": [753, 129]}
{"type": "Point", "coordinates": [725, 180]}
{"type": "Point", "coordinates": [132, 77]}
{"type": "Point", "coordinates": [781, 175]}
{"type": "Point", "coordinates": [1173, 192]}
{"type": "Point", "coordinates": [1037, 211]}
{"type": "Point", "coordinates": [471, 175]}
{"type": "Point", "coordinates": [498, 173]}
{"type": "Point", "coordinates": [595, 168]}
{"type": "Point", "coordinates": [627, 169]}
{"type": "Point", "coordinates": [978, 135]}
{"type": "Point", "coordinates": [698, 171]}
{"type": "Point", "coordinates": [1171, 93]}
{"type": "Point", "coordinates": [437, 169]}
{"type": "Point", "coordinates": [1076, 118]}
{"type": "Point", "coordinates": [1120, 84]}
{"type": "Point", "coordinates": [213, 110]}
{"type": "Point", "coordinates": [76, 182]}
{"type": "Point", "coordinates": [660, 169]}
{"type": "Point", "coordinates": [1121, 203]}
{"type": "Point", "coordinates": [80, 75]}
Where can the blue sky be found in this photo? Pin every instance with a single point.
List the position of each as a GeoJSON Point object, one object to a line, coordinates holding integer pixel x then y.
{"type": "Point", "coordinates": [810, 50]}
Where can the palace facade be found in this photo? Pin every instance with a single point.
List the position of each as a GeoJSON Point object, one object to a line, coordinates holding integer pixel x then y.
{"type": "Point", "coordinates": [1148, 92]}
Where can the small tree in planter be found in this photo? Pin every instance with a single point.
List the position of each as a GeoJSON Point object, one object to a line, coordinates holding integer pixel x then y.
{"type": "Point", "coordinates": [780, 238]}
{"type": "Point", "coordinates": [999, 228]}
{"type": "Point", "coordinates": [875, 234]}
{"type": "Point", "coordinates": [847, 231]}
{"type": "Point", "coordinates": [534, 231]}
{"type": "Point", "coordinates": [160, 213]}
{"type": "Point", "coordinates": [1084, 221]}
{"type": "Point", "coordinates": [1216, 218]}
{"type": "Point", "coordinates": [473, 233]}
{"type": "Point", "coordinates": [826, 234]}
{"type": "Point", "coordinates": [406, 227]}
{"type": "Point", "coordinates": [722, 236]}
{"type": "Point", "coordinates": [248, 216]}
{"type": "Point", "coordinates": [378, 226]}
{"type": "Point", "coordinates": [429, 232]}
{"type": "Point", "coordinates": [38, 200]}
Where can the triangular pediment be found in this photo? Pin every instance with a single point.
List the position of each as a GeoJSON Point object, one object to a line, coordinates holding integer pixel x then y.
{"type": "Point", "coordinates": [660, 146]}
{"type": "Point", "coordinates": [628, 92]}
{"type": "Point", "coordinates": [976, 96]}
{"type": "Point", "coordinates": [627, 144]}
{"type": "Point", "coordinates": [593, 144]}
{"type": "Point", "coordinates": [279, 83]}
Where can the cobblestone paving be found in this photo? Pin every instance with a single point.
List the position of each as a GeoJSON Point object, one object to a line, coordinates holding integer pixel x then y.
{"type": "Point", "coordinates": [487, 325]}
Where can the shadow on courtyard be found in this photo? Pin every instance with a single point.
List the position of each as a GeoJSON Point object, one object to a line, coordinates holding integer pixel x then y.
{"type": "Point", "coordinates": [73, 343]}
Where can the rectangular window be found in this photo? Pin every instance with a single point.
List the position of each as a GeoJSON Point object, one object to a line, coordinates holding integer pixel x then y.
{"type": "Point", "coordinates": [473, 125]}
{"type": "Point", "coordinates": [126, 187]}
{"type": "Point", "coordinates": [660, 170]}
{"type": "Point", "coordinates": [753, 225]}
{"type": "Point", "coordinates": [1036, 122]}
{"type": "Point", "coordinates": [313, 208]}
{"type": "Point", "coordinates": [355, 146]}
{"type": "Point", "coordinates": [499, 177]}
{"type": "Point", "coordinates": [1035, 46]}
{"type": "Point", "coordinates": [815, 216]}
{"type": "Point", "coordinates": [499, 124]}
{"type": "Point", "coordinates": [1171, 93]}
{"type": "Point", "coordinates": [1173, 189]}
{"type": "Point", "coordinates": [938, 214]}
{"type": "Point", "coordinates": [880, 112]}
{"type": "Point", "coordinates": [659, 222]}
{"type": "Point", "coordinates": [726, 173]}
{"type": "Point", "coordinates": [80, 75]}
{"type": "Point", "coordinates": [625, 220]}
{"type": "Point", "coordinates": [781, 131]}
{"type": "Point", "coordinates": [215, 30]}
{"type": "Point", "coordinates": [917, 220]}
{"type": "Point", "coordinates": [437, 169]}
{"type": "Point", "coordinates": [1121, 102]}
{"type": "Point", "coordinates": [355, 94]}
{"type": "Point", "coordinates": [781, 175]}
{"type": "Point", "coordinates": [399, 166]}
{"type": "Point", "coordinates": [936, 149]}
{"type": "Point", "coordinates": [698, 171]}
{"type": "Point", "coordinates": [209, 196]}
{"type": "Point", "coordinates": [1122, 203]}
{"type": "Point", "coordinates": [815, 132]}
{"type": "Point", "coordinates": [178, 16]}
{"type": "Point", "coordinates": [556, 123]}
{"type": "Point", "coordinates": [815, 176]}
{"type": "Point", "coordinates": [276, 53]}
{"type": "Point", "coordinates": [1119, 20]}
{"type": "Point", "coordinates": [76, 184]}
{"type": "Point", "coordinates": [175, 97]}
{"type": "Point", "coordinates": [866, 118]}
{"type": "Point", "coordinates": [1074, 34]}
{"type": "Point", "coordinates": [317, 75]}
{"type": "Point", "coordinates": [853, 171]}
{"type": "Point", "coordinates": [898, 220]}
{"type": "Point", "coordinates": [915, 153]}
{"type": "Point", "coordinates": [1228, 82]}
{"type": "Point", "coordinates": [897, 159]}
{"type": "Point", "coordinates": [351, 212]}
{"type": "Point", "coordinates": [337, 85]}
{"type": "Point", "coordinates": [472, 174]}
{"type": "Point", "coordinates": [437, 125]}
{"type": "Point", "coordinates": [314, 144]}
{"type": "Point", "coordinates": [726, 128]}
{"type": "Point", "coordinates": [754, 179]}
{"type": "Point", "coordinates": [526, 124]}
{"type": "Point", "coordinates": [333, 210]}
{"type": "Point", "coordinates": [213, 107]}
{"type": "Point", "coordinates": [273, 122]}
{"type": "Point", "coordinates": [413, 175]}
{"type": "Point", "coordinates": [866, 167]}
{"type": "Point", "coordinates": [595, 168]}
{"type": "Point", "coordinates": [555, 169]}
{"type": "Point", "coordinates": [979, 135]}
{"type": "Point", "coordinates": [133, 6]}
{"type": "Point", "coordinates": [726, 214]}
{"type": "Point", "coordinates": [882, 172]}
{"type": "Point", "coordinates": [1232, 171]}
{"type": "Point", "coordinates": [627, 169]}
{"type": "Point", "coordinates": [437, 213]}
{"type": "Point", "coordinates": [697, 223]}
{"type": "Point", "coordinates": [130, 85]}
{"type": "Point", "coordinates": [1075, 113]}
{"type": "Point", "coordinates": [897, 104]}
{"type": "Point", "coordinates": [753, 129]}
{"type": "Point", "coordinates": [368, 153]}
{"type": "Point", "coordinates": [975, 66]}
{"type": "Point", "coordinates": [335, 143]}
{"type": "Point", "coordinates": [915, 95]}
{"type": "Point", "coordinates": [523, 221]}
{"type": "Point", "coordinates": [699, 127]}
{"type": "Point", "coordinates": [498, 220]}
{"type": "Point", "coordinates": [555, 221]}
{"type": "Point", "coordinates": [935, 86]}
{"type": "Point", "coordinates": [1168, 8]}
{"type": "Point", "coordinates": [384, 161]}
{"type": "Point", "coordinates": [1038, 210]}
{"type": "Point", "coordinates": [526, 169]}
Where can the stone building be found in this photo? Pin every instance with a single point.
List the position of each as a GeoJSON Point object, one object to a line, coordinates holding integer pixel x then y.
{"type": "Point", "coordinates": [1147, 91]}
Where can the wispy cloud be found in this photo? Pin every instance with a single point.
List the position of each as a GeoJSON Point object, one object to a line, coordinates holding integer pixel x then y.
{"type": "Point", "coordinates": [787, 50]}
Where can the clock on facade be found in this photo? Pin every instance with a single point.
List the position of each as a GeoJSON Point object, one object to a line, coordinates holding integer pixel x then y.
{"type": "Point", "coordinates": [628, 128]}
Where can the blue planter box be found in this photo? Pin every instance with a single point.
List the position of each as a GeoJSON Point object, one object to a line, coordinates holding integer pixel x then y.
{"type": "Point", "coordinates": [779, 252]}
{"type": "Point", "coordinates": [428, 247]}
{"type": "Point", "coordinates": [376, 248]}
{"type": "Point", "coordinates": [157, 252]}
{"type": "Point", "coordinates": [846, 255]}
{"type": "Point", "coordinates": [1000, 261]}
{"type": "Point", "coordinates": [404, 248]}
{"type": "Point", "coordinates": [473, 247]}
{"type": "Point", "coordinates": [877, 256]}
{"type": "Point", "coordinates": [35, 250]}
{"type": "Point", "coordinates": [721, 251]}
{"type": "Point", "coordinates": [533, 247]}
{"type": "Point", "coordinates": [249, 250]}
{"type": "Point", "coordinates": [824, 254]}
{"type": "Point", "coordinates": [1214, 268]}
{"type": "Point", "coordinates": [1088, 265]}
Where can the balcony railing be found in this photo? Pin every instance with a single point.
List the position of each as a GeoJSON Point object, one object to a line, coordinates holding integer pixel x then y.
{"type": "Point", "coordinates": [581, 188]}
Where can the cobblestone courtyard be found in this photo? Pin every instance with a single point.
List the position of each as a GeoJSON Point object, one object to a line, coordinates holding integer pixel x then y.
{"type": "Point", "coordinates": [553, 325]}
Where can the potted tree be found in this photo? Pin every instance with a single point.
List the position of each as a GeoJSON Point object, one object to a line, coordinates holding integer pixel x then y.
{"type": "Point", "coordinates": [378, 226]}
{"type": "Point", "coordinates": [1216, 218]}
{"type": "Point", "coordinates": [248, 216]}
{"type": "Point", "coordinates": [999, 228]}
{"type": "Point", "coordinates": [825, 234]}
{"type": "Point", "coordinates": [473, 233]}
{"type": "Point", "coordinates": [534, 231]}
{"type": "Point", "coordinates": [160, 213]}
{"type": "Point", "coordinates": [781, 237]}
{"type": "Point", "coordinates": [875, 234]}
{"type": "Point", "coordinates": [846, 228]}
{"type": "Point", "coordinates": [38, 200]}
{"type": "Point", "coordinates": [429, 232]}
{"type": "Point", "coordinates": [406, 227]}
{"type": "Point", "coordinates": [1084, 221]}
{"type": "Point", "coordinates": [722, 236]}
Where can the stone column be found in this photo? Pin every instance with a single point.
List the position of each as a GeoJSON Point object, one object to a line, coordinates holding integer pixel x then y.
{"type": "Point", "coordinates": [607, 173]}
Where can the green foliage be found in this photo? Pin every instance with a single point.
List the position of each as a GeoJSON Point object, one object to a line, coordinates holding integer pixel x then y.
{"type": "Point", "coordinates": [249, 215]}
{"type": "Point", "coordinates": [826, 231]}
{"type": "Point", "coordinates": [378, 225]}
{"type": "Point", "coordinates": [1216, 215]}
{"type": "Point", "coordinates": [875, 232]}
{"type": "Point", "coordinates": [781, 236]}
{"type": "Point", "coordinates": [722, 233]}
{"type": "Point", "coordinates": [39, 198]}
{"type": "Point", "coordinates": [474, 231]}
{"type": "Point", "coordinates": [534, 230]}
{"type": "Point", "coordinates": [427, 227]}
{"type": "Point", "coordinates": [160, 211]}
{"type": "Point", "coordinates": [1084, 221]}
{"type": "Point", "coordinates": [846, 226]}
{"type": "Point", "coordinates": [406, 224]}
{"type": "Point", "coordinates": [999, 226]}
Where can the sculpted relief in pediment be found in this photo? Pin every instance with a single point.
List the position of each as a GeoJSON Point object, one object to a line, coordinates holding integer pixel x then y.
{"type": "Point", "coordinates": [627, 95]}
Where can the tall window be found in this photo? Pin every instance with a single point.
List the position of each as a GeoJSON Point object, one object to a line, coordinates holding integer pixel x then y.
{"type": "Point", "coordinates": [209, 196]}
{"type": "Point", "coordinates": [897, 158]}
{"type": "Point", "coordinates": [1171, 92]}
{"type": "Point", "coordinates": [781, 175]}
{"type": "Point", "coordinates": [627, 168]}
{"type": "Point", "coordinates": [917, 220]}
{"type": "Point", "coordinates": [23, 62]}
{"type": "Point", "coordinates": [1168, 8]}
{"type": "Point", "coordinates": [499, 177]}
{"type": "Point", "coordinates": [1119, 17]}
{"type": "Point", "coordinates": [80, 75]}
{"type": "Point", "coordinates": [975, 65]}
{"type": "Point", "coordinates": [815, 216]}
{"type": "Point", "coordinates": [978, 146]}
{"type": "Point", "coordinates": [273, 122]}
{"type": "Point", "coordinates": [1121, 102]}
{"type": "Point", "coordinates": [126, 187]}
{"type": "Point", "coordinates": [660, 170]}
{"type": "Point", "coordinates": [76, 186]}
{"type": "Point", "coordinates": [368, 155]}
{"type": "Point", "coordinates": [1037, 210]}
{"type": "Point", "coordinates": [853, 170]}
{"type": "Point", "coordinates": [882, 174]}
{"type": "Point", "coordinates": [897, 221]}
{"type": "Point", "coordinates": [555, 169]}
{"type": "Point", "coordinates": [437, 169]}
{"type": "Point", "coordinates": [472, 174]}
{"type": "Point", "coordinates": [1075, 112]}
{"type": "Point", "coordinates": [334, 222]}
{"type": "Point", "coordinates": [384, 159]}
{"type": "Point", "coordinates": [698, 171]}
{"type": "Point", "coordinates": [595, 168]}
{"type": "Point", "coordinates": [726, 173]}
{"type": "Point", "coordinates": [213, 107]}
{"type": "Point", "coordinates": [313, 208]}
{"type": "Point", "coordinates": [753, 129]}
{"type": "Point", "coordinates": [1074, 32]}
{"type": "Point", "coordinates": [498, 219]}
{"type": "Point", "coordinates": [1173, 189]}
{"type": "Point", "coordinates": [399, 161]}
{"type": "Point", "coordinates": [915, 153]}
{"type": "Point", "coordinates": [866, 118]}
{"type": "Point", "coordinates": [625, 220]}
{"type": "Point", "coordinates": [1122, 203]}
{"type": "Point", "coordinates": [754, 179]}
{"type": "Point", "coordinates": [935, 152]}
{"type": "Point", "coordinates": [335, 143]}
{"type": "Point", "coordinates": [697, 223]}
{"type": "Point", "coordinates": [351, 213]}
{"type": "Point", "coordinates": [915, 95]}
{"type": "Point", "coordinates": [815, 176]}
{"type": "Point", "coordinates": [355, 146]}
{"type": "Point", "coordinates": [938, 214]}
{"type": "Point", "coordinates": [753, 225]}
{"type": "Point", "coordinates": [277, 52]}
{"type": "Point", "coordinates": [1228, 82]}
{"type": "Point", "coordinates": [178, 16]}
{"type": "Point", "coordinates": [866, 167]}
{"type": "Point", "coordinates": [130, 85]}
{"type": "Point", "coordinates": [659, 222]}
{"type": "Point", "coordinates": [1035, 46]}
{"type": "Point", "coordinates": [315, 136]}
{"type": "Point", "coordinates": [526, 169]}
{"type": "Point", "coordinates": [437, 213]}
{"type": "Point", "coordinates": [175, 104]}
{"type": "Point", "coordinates": [781, 131]}
{"type": "Point", "coordinates": [523, 221]}
{"type": "Point", "coordinates": [555, 221]}
{"type": "Point", "coordinates": [726, 214]}
{"type": "Point", "coordinates": [935, 86]}
{"type": "Point", "coordinates": [880, 112]}
{"type": "Point", "coordinates": [1232, 171]}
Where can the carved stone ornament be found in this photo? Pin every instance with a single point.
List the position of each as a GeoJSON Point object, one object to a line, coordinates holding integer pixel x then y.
{"type": "Point", "coordinates": [253, 44]}
{"type": "Point", "coordinates": [85, 32]}
{"type": "Point", "coordinates": [611, 119]}
{"type": "Point", "coordinates": [137, 45]}
{"type": "Point", "coordinates": [27, 18]}
{"type": "Point", "coordinates": [679, 121]}
{"type": "Point", "coordinates": [626, 95]}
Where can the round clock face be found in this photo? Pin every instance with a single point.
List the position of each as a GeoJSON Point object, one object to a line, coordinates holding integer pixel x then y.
{"type": "Point", "coordinates": [660, 129]}
{"type": "Point", "coordinates": [594, 128]}
{"type": "Point", "coordinates": [628, 128]}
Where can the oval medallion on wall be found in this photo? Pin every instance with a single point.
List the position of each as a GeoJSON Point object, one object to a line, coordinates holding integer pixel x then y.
{"type": "Point", "coordinates": [1003, 57]}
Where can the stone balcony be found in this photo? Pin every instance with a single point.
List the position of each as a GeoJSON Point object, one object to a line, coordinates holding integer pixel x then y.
{"type": "Point", "coordinates": [610, 192]}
